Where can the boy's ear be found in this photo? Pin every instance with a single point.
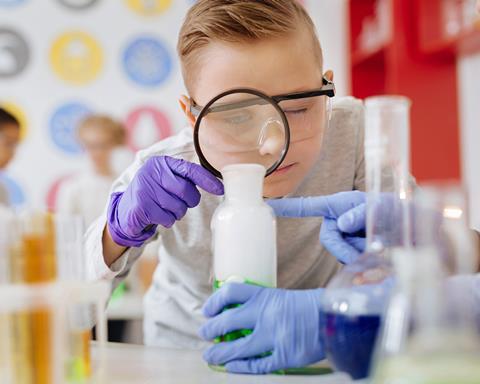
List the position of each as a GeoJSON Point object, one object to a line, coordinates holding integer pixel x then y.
{"type": "Point", "coordinates": [328, 75]}
{"type": "Point", "coordinates": [185, 102]}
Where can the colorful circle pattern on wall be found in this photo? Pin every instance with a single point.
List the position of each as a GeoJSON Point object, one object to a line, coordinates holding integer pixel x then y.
{"type": "Point", "coordinates": [145, 126]}
{"type": "Point", "coordinates": [16, 195]}
{"type": "Point", "coordinates": [52, 193]}
{"type": "Point", "coordinates": [76, 57]}
{"type": "Point", "coordinates": [147, 62]}
{"type": "Point", "coordinates": [149, 7]}
{"type": "Point", "coordinates": [14, 53]}
{"type": "Point", "coordinates": [20, 115]}
{"type": "Point", "coordinates": [78, 4]}
{"type": "Point", "coordinates": [63, 126]}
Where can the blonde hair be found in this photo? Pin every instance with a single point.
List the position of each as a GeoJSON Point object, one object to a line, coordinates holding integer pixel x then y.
{"type": "Point", "coordinates": [239, 21]}
{"type": "Point", "coordinates": [104, 123]}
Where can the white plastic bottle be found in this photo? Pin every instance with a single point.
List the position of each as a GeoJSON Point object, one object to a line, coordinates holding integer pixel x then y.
{"type": "Point", "coordinates": [244, 230]}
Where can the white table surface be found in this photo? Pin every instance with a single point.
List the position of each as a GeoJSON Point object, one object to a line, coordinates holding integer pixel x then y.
{"type": "Point", "coordinates": [138, 364]}
{"type": "Point", "coordinates": [126, 307]}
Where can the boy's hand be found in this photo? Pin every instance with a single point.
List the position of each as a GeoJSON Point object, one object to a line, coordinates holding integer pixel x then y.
{"type": "Point", "coordinates": [160, 193]}
{"type": "Point", "coordinates": [343, 227]}
{"type": "Point", "coordinates": [285, 324]}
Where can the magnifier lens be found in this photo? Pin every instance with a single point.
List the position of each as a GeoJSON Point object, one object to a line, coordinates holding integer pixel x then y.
{"type": "Point", "coordinates": [242, 128]}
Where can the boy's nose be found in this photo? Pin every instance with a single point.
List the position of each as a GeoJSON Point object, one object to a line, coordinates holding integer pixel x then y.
{"type": "Point", "coordinates": [272, 138]}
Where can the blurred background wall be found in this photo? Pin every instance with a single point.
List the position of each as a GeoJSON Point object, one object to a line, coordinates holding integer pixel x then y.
{"type": "Point", "coordinates": [61, 59]}
{"type": "Point", "coordinates": [430, 52]}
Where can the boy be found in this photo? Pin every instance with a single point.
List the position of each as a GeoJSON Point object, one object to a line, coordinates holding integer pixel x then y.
{"type": "Point", "coordinates": [9, 139]}
{"type": "Point", "coordinates": [271, 46]}
{"type": "Point", "coordinates": [285, 322]}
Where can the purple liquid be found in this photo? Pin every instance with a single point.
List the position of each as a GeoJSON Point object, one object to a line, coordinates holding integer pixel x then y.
{"type": "Point", "coordinates": [349, 342]}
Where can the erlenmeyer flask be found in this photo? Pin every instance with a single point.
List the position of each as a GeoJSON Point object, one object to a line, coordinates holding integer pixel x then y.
{"type": "Point", "coordinates": [430, 334]}
{"type": "Point", "coordinates": [355, 299]}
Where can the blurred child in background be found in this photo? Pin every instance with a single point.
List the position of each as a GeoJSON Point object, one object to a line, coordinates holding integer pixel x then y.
{"type": "Point", "coordinates": [9, 139]}
{"type": "Point", "coordinates": [85, 194]}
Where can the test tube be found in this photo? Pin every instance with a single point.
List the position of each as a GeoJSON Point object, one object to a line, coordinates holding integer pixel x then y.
{"type": "Point", "coordinates": [33, 260]}
{"type": "Point", "coordinates": [387, 161]}
{"type": "Point", "coordinates": [69, 230]}
{"type": "Point", "coordinates": [32, 265]}
{"type": "Point", "coordinates": [5, 242]}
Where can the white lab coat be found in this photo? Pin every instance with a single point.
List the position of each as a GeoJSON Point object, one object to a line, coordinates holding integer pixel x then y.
{"type": "Point", "coordinates": [84, 195]}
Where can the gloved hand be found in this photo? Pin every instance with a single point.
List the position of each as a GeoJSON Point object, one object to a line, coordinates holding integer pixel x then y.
{"type": "Point", "coordinates": [284, 322]}
{"type": "Point", "coordinates": [343, 228]}
{"type": "Point", "coordinates": [160, 193]}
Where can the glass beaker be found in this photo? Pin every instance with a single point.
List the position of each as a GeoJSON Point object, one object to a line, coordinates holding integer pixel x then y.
{"type": "Point", "coordinates": [355, 299]}
{"type": "Point", "coordinates": [441, 220]}
{"type": "Point", "coordinates": [26, 311]}
{"type": "Point", "coordinates": [46, 303]}
{"type": "Point", "coordinates": [429, 333]}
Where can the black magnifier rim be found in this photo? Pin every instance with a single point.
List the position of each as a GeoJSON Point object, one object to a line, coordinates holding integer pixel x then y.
{"type": "Point", "coordinates": [205, 110]}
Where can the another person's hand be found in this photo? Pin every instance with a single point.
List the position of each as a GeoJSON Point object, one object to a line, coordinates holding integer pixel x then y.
{"type": "Point", "coordinates": [344, 220]}
{"type": "Point", "coordinates": [285, 324]}
{"type": "Point", "coordinates": [159, 194]}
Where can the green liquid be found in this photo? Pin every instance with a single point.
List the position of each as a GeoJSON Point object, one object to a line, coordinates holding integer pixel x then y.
{"type": "Point", "coordinates": [235, 335]}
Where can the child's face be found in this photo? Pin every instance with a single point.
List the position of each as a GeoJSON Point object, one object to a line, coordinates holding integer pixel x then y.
{"type": "Point", "coordinates": [277, 66]}
{"type": "Point", "coordinates": [9, 139]}
{"type": "Point", "coordinates": [98, 146]}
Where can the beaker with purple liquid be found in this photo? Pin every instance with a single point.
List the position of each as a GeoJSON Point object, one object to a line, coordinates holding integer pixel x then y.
{"type": "Point", "coordinates": [356, 298]}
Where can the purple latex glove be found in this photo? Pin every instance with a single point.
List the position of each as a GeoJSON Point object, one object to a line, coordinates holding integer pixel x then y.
{"type": "Point", "coordinates": [160, 193]}
{"type": "Point", "coordinates": [343, 228]}
{"type": "Point", "coordinates": [285, 324]}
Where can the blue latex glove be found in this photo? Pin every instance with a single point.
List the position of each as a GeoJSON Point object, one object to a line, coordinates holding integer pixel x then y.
{"type": "Point", "coordinates": [160, 193]}
{"type": "Point", "coordinates": [284, 322]}
{"type": "Point", "coordinates": [343, 227]}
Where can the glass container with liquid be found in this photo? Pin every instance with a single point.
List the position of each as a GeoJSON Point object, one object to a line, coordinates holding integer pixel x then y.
{"type": "Point", "coordinates": [47, 308]}
{"type": "Point", "coordinates": [69, 231]}
{"type": "Point", "coordinates": [356, 297]}
{"type": "Point", "coordinates": [32, 264]}
{"type": "Point", "coordinates": [430, 332]}
{"type": "Point", "coordinates": [244, 233]}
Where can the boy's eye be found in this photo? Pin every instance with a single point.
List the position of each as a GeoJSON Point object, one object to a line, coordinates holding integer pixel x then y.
{"type": "Point", "coordinates": [296, 111]}
{"type": "Point", "coordinates": [237, 119]}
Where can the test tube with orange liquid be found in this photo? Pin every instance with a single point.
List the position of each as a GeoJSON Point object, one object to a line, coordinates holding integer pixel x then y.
{"type": "Point", "coordinates": [48, 249]}
{"type": "Point", "coordinates": [32, 261]}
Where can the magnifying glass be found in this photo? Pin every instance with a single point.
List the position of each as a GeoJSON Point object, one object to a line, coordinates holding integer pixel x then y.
{"type": "Point", "coordinates": [241, 126]}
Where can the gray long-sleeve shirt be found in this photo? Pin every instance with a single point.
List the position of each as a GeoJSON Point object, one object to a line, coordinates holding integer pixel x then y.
{"type": "Point", "coordinates": [182, 280]}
